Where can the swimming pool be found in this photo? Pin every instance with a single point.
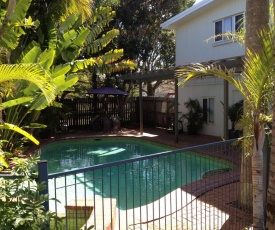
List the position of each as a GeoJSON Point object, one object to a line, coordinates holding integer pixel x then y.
{"type": "Point", "coordinates": [79, 153]}
{"type": "Point", "coordinates": [134, 184]}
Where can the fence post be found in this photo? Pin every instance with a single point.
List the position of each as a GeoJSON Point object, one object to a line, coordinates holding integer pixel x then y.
{"type": "Point", "coordinates": [42, 168]}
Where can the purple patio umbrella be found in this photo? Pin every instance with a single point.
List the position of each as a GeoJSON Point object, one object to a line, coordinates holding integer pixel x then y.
{"type": "Point", "coordinates": [107, 90]}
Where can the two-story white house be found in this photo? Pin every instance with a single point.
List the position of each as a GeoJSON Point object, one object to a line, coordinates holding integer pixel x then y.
{"type": "Point", "coordinates": [197, 42]}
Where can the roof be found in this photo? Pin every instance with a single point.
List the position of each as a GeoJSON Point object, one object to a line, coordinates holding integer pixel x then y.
{"type": "Point", "coordinates": [193, 11]}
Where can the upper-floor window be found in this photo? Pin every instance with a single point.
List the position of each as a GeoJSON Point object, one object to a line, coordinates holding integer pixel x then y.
{"type": "Point", "coordinates": [227, 26]}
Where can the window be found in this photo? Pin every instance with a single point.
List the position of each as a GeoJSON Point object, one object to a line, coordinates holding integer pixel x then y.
{"type": "Point", "coordinates": [228, 25]}
{"type": "Point", "coordinates": [208, 109]}
{"type": "Point", "coordinates": [239, 22]}
{"type": "Point", "coordinates": [211, 110]}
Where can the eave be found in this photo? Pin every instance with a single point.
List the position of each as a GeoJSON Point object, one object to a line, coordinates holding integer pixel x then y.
{"type": "Point", "coordinates": [194, 11]}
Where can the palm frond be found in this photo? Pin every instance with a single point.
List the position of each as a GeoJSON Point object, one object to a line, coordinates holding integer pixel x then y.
{"type": "Point", "coordinates": [19, 130]}
{"type": "Point", "coordinates": [258, 77]}
{"type": "Point", "coordinates": [119, 66]}
{"type": "Point", "coordinates": [64, 8]}
{"type": "Point", "coordinates": [78, 65]}
{"type": "Point", "coordinates": [94, 46]}
{"type": "Point", "coordinates": [101, 18]}
{"type": "Point", "coordinates": [112, 56]}
{"type": "Point", "coordinates": [200, 70]}
{"type": "Point", "coordinates": [28, 72]}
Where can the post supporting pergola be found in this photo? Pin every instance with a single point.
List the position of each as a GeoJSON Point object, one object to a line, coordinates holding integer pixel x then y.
{"type": "Point", "coordinates": [169, 74]}
{"type": "Point", "coordinates": [140, 109]}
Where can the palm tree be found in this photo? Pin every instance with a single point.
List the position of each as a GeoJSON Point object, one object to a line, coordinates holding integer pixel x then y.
{"type": "Point", "coordinates": [255, 84]}
{"type": "Point", "coordinates": [257, 16]}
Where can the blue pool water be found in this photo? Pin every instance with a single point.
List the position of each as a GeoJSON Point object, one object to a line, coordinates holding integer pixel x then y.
{"type": "Point", "coordinates": [79, 153]}
{"type": "Point", "coordinates": [133, 184]}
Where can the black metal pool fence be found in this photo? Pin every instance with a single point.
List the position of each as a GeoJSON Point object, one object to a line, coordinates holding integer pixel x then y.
{"type": "Point", "coordinates": [141, 193]}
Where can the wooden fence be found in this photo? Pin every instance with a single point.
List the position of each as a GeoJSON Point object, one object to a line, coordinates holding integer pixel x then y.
{"type": "Point", "coordinates": [78, 113]}
{"type": "Point", "coordinates": [158, 111]}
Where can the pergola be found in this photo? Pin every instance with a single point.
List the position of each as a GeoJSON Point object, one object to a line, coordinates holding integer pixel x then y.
{"type": "Point", "coordinates": [169, 74]}
{"type": "Point", "coordinates": [159, 75]}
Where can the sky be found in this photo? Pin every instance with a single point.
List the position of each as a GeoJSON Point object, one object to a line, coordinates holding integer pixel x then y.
{"type": "Point", "coordinates": [198, 1]}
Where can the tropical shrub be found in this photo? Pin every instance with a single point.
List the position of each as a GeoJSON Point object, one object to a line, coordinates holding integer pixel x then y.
{"type": "Point", "coordinates": [21, 203]}
{"type": "Point", "coordinates": [235, 112]}
{"type": "Point", "coordinates": [194, 116]}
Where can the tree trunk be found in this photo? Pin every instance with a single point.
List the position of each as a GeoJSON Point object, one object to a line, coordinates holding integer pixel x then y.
{"type": "Point", "coordinates": [257, 17]}
{"type": "Point", "coordinates": [257, 180]}
{"type": "Point", "coordinates": [150, 89]}
{"type": "Point", "coordinates": [246, 198]}
{"type": "Point", "coordinates": [270, 206]}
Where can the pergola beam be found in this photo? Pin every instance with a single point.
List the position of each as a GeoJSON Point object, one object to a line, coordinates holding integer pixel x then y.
{"type": "Point", "coordinates": [169, 74]}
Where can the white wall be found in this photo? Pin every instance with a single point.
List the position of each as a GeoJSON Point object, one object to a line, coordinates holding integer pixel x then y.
{"type": "Point", "coordinates": [204, 88]}
{"type": "Point", "coordinates": [191, 47]}
{"type": "Point", "coordinates": [191, 36]}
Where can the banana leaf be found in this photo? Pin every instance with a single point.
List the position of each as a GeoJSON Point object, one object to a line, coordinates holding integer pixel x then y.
{"type": "Point", "coordinates": [19, 130]}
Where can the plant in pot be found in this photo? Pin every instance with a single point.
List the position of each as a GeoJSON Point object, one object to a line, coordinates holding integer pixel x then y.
{"type": "Point", "coordinates": [235, 112]}
{"type": "Point", "coordinates": [194, 116]}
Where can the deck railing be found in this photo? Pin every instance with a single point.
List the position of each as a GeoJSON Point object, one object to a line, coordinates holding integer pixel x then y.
{"type": "Point", "coordinates": [191, 188]}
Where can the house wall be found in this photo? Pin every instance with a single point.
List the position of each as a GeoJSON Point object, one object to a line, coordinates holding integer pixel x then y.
{"type": "Point", "coordinates": [192, 47]}
{"type": "Point", "coordinates": [191, 37]}
{"type": "Point", "coordinates": [210, 87]}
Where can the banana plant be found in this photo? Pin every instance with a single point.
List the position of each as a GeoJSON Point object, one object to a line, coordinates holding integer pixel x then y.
{"type": "Point", "coordinates": [27, 72]}
{"type": "Point", "coordinates": [111, 61]}
{"type": "Point", "coordinates": [62, 76]}
{"type": "Point", "coordinates": [59, 57]}
{"type": "Point", "coordinates": [13, 21]}
{"type": "Point", "coordinates": [59, 60]}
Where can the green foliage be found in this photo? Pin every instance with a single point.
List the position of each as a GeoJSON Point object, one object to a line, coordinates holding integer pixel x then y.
{"type": "Point", "coordinates": [12, 24]}
{"type": "Point", "coordinates": [58, 53]}
{"type": "Point", "coordinates": [142, 38]}
{"type": "Point", "coordinates": [43, 69]}
{"type": "Point", "coordinates": [194, 116]}
{"type": "Point", "coordinates": [99, 44]}
{"type": "Point", "coordinates": [28, 72]}
{"type": "Point", "coordinates": [21, 204]}
{"type": "Point", "coordinates": [235, 113]}
{"type": "Point", "coordinates": [3, 163]}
